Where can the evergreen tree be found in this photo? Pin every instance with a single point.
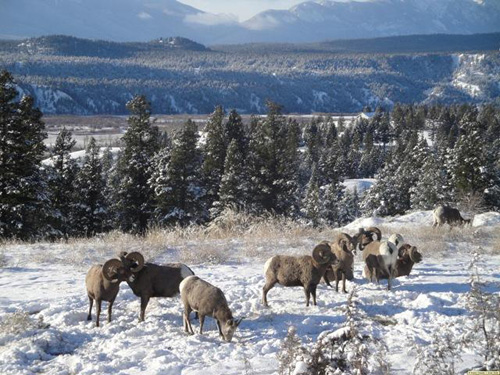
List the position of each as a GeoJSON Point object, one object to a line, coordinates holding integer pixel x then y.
{"type": "Point", "coordinates": [311, 204]}
{"type": "Point", "coordinates": [176, 180]}
{"type": "Point", "coordinates": [214, 155]}
{"type": "Point", "coordinates": [349, 207]}
{"type": "Point", "coordinates": [133, 196]}
{"type": "Point", "coordinates": [467, 161]}
{"type": "Point", "coordinates": [61, 182]}
{"type": "Point", "coordinates": [367, 165]}
{"type": "Point", "coordinates": [24, 206]}
{"type": "Point", "coordinates": [430, 188]}
{"type": "Point", "coordinates": [234, 183]}
{"type": "Point", "coordinates": [235, 130]}
{"type": "Point", "coordinates": [91, 209]}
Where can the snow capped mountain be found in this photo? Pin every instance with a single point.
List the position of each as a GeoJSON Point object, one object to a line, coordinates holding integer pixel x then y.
{"type": "Point", "coordinates": [139, 20]}
{"type": "Point", "coordinates": [118, 20]}
{"type": "Point", "coordinates": [320, 20]}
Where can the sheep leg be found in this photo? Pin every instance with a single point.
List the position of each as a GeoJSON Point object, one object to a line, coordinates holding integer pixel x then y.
{"type": "Point", "coordinates": [91, 302]}
{"type": "Point", "coordinates": [144, 304]}
{"type": "Point", "coordinates": [307, 291]}
{"type": "Point", "coordinates": [343, 283]}
{"type": "Point", "coordinates": [337, 280]}
{"type": "Point", "coordinates": [269, 285]}
{"type": "Point", "coordinates": [220, 330]}
{"type": "Point", "coordinates": [187, 322]}
{"type": "Point", "coordinates": [313, 292]}
{"type": "Point", "coordinates": [325, 277]}
{"type": "Point", "coordinates": [98, 311]}
{"type": "Point", "coordinates": [110, 309]}
{"type": "Point", "coordinates": [202, 320]}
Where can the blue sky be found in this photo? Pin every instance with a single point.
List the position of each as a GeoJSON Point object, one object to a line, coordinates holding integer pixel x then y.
{"type": "Point", "coordinates": [243, 9]}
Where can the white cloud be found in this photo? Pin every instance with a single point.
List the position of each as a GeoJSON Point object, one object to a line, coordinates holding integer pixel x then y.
{"type": "Point", "coordinates": [209, 19]}
{"type": "Point", "coordinates": [144, 16]}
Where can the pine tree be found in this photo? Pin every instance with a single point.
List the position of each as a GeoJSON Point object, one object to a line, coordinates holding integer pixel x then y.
{"type": "Point", "coordinates": [62, 176]}
{"type": "Point", "coordinates": [24, 205]}
{"type": "Point", "coordinates": [176, 180]}
{"type": "Point", "coordinates": [349, 207]}
{"type": "Point", "coordinates": [214, 155]}
{"type": "Point", "coordinates": [467, 161]}
{"type": "Point", "coordinates": [133, 196]}
{"type": "Point", "coordinates": [429, 190]}
{"type": "Point", "coordinates": [91, 209]}
{"type": "Point", "coordinates": [311, 204]}
{"type": "Point", "coordinates": [235, 130]}
{"type": "Point", "coordinates": [234, 183]}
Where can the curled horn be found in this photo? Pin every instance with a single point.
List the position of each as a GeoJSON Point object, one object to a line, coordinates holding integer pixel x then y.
{"type": "Point", "coordinates": [238, 321]}
{"type": "Point", "coordinates": [109, 269]}
{"type": "Point", "coordinates": [344, 241]}
{"type": "Point", "coordinates": [403, 249]}
{"type": "Point", "coordinates": [135, 258]}
{"type": "Point", "coordinates": [376, 231]}
{"type": "Point", "coordinates": [415, 256]}
{"type": "Point", "coordinates": [322, 253]}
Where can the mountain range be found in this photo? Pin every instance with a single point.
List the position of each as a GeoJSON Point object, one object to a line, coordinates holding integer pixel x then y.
{"type": "Point", "coordinates": [311, 21]}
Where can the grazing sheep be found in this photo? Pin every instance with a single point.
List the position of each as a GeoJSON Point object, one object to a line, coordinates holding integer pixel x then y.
{"type": "Point", "coordinates": [103, 284]}
{"type": "Point", "coordinates": [382, 257]}
{"type": "Point", "coordinates": [152, 280]}
{"type": "Point", "coordinates": [365, 236]}
{"type": "Point", "coordinates": [447, 215]}
{"type": "Point", "coordinates": [342, 247]}
{"type": "Point", "coordinates": [199, 296]}
{"type": "Point", "coordinates": [407, 256]}
{"type": "Point", "coordinates": [305, 271]}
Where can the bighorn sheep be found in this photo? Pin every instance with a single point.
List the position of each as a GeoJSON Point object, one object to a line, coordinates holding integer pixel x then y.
{"type": "Point", "coordinates": [305, 271]}
{"type": "Point", "coordinates": [103, 284]}
{"type": "Point", "coordinates": [407, 256]}
{"type": "Point", "coordinates": [382, 257]}
{"type": "Point", "coordinates": [199, 296]}
{"type": "Point", "coordinates": [152, 280]}
{"type": "Point", "coordinates": [365, 236]}
{"type": "Point", "coordinates": [342, 248]}
{"type": "Point", "coordinates": [447, 215]}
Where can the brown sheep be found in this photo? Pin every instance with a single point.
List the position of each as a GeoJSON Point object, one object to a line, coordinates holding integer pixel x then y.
{"type": "Point", "coordinates": [447, 215]}
{"type": "Point", "coordinates": [407, 256]}
{"type": "Point", "coordinates": [103, 284]}
{"type": "Point", "coordinates": [152, 280]}
{"type": "Point", "coordinates": [305, 271]}
{"type": "Point", "coordinates": [207, 300]}
{"type": "Point", "coordinates": [343, 248]}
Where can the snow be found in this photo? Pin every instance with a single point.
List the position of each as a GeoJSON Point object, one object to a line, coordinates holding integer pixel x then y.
{"type": "Point", "coordinates": [79, 155]}
{"type": "Point", "coordinates": [47, 281]}
{"type": "Point", "coordinates": [361, 184]}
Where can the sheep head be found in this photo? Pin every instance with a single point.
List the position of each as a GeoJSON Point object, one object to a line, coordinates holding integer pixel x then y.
{"type": "Point", "coordinates": [345, 242]}
{"type": "Point", "coordinates": [132, 261]}
{"type": "Point", "coordinates": [322, 254]}
{"type": "Point", "coordinates": [229, 328]}
{"type": "Point", "coordinates": [415, 256]}
{"type": "Point", "coordinates": [114, 271]}
{"type": "Point", "coordinates": [366, 236]}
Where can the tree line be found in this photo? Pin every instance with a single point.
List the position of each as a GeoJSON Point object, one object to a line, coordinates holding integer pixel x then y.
{"type": "Point", "coordinates": [420, 156]}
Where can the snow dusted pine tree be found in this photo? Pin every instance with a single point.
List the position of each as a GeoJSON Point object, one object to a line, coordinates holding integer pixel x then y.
{"type": "Point", "coordinates": [91, 209]}
{"type": "Point", "coordinates": [214, 155]}
{"type": "Point", "coordinates": [311, 204]}
{"type": "Point", "coordinates": [176, 180]}
{"type": "Point", "coordinates": [24, 205]}
{"type": "Point", "coordinates": [466, 163]}
{"type": "Point", "coordinates": [134, 197]}
{"type": "Point", "coordinates": [62, 176]}
{"type": "Point", "coordinates": [234, 183]}
{"type": "Point", "coordinates": [349, 207]}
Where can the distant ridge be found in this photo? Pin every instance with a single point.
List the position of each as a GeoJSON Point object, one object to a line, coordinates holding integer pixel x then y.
{"type": "Point", "coordinates": [63, 45]}
{"type": "Point", "coordinates": [434, 43]}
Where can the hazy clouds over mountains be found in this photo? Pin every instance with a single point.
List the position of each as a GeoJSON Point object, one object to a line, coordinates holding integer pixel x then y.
{"type": "Point", "coordinates": [138, 20]}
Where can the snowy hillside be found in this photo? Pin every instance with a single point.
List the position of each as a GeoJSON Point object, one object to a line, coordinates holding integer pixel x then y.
{"type": "Point", "coordinates": [43, 306]}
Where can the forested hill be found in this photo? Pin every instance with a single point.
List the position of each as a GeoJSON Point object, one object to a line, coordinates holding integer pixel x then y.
{"type": "Point", "coordinates": [77, 76]}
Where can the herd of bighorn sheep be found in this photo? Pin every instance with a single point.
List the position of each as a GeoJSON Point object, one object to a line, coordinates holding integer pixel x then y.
{"type": "Point", "coordinates": [384, 259]}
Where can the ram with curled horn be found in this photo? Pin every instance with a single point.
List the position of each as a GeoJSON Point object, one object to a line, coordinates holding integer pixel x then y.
{"type": "Point", "coordinates": [342, 247]}
{"type": "Point", "coordinates": [103, 284]}
{"type": "Point", "coordinates": [152, 280]}
{"type": "Point", "coordinates": [408, 255]}
{"type": "Point", "coordinates": [366, 236]}
{"type": "Point", "coordinates": [305, 271]}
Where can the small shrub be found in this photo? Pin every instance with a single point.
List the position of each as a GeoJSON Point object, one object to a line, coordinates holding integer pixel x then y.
{"type": "Point", "coordinates": [20, 322]}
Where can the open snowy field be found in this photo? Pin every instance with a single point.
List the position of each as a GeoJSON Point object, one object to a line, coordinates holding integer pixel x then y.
{"type": "Point", "coordinates": [46, 281]}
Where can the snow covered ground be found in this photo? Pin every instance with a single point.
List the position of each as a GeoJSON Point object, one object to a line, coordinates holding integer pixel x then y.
{"type": "Point", "coordinates": [47, 281]}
